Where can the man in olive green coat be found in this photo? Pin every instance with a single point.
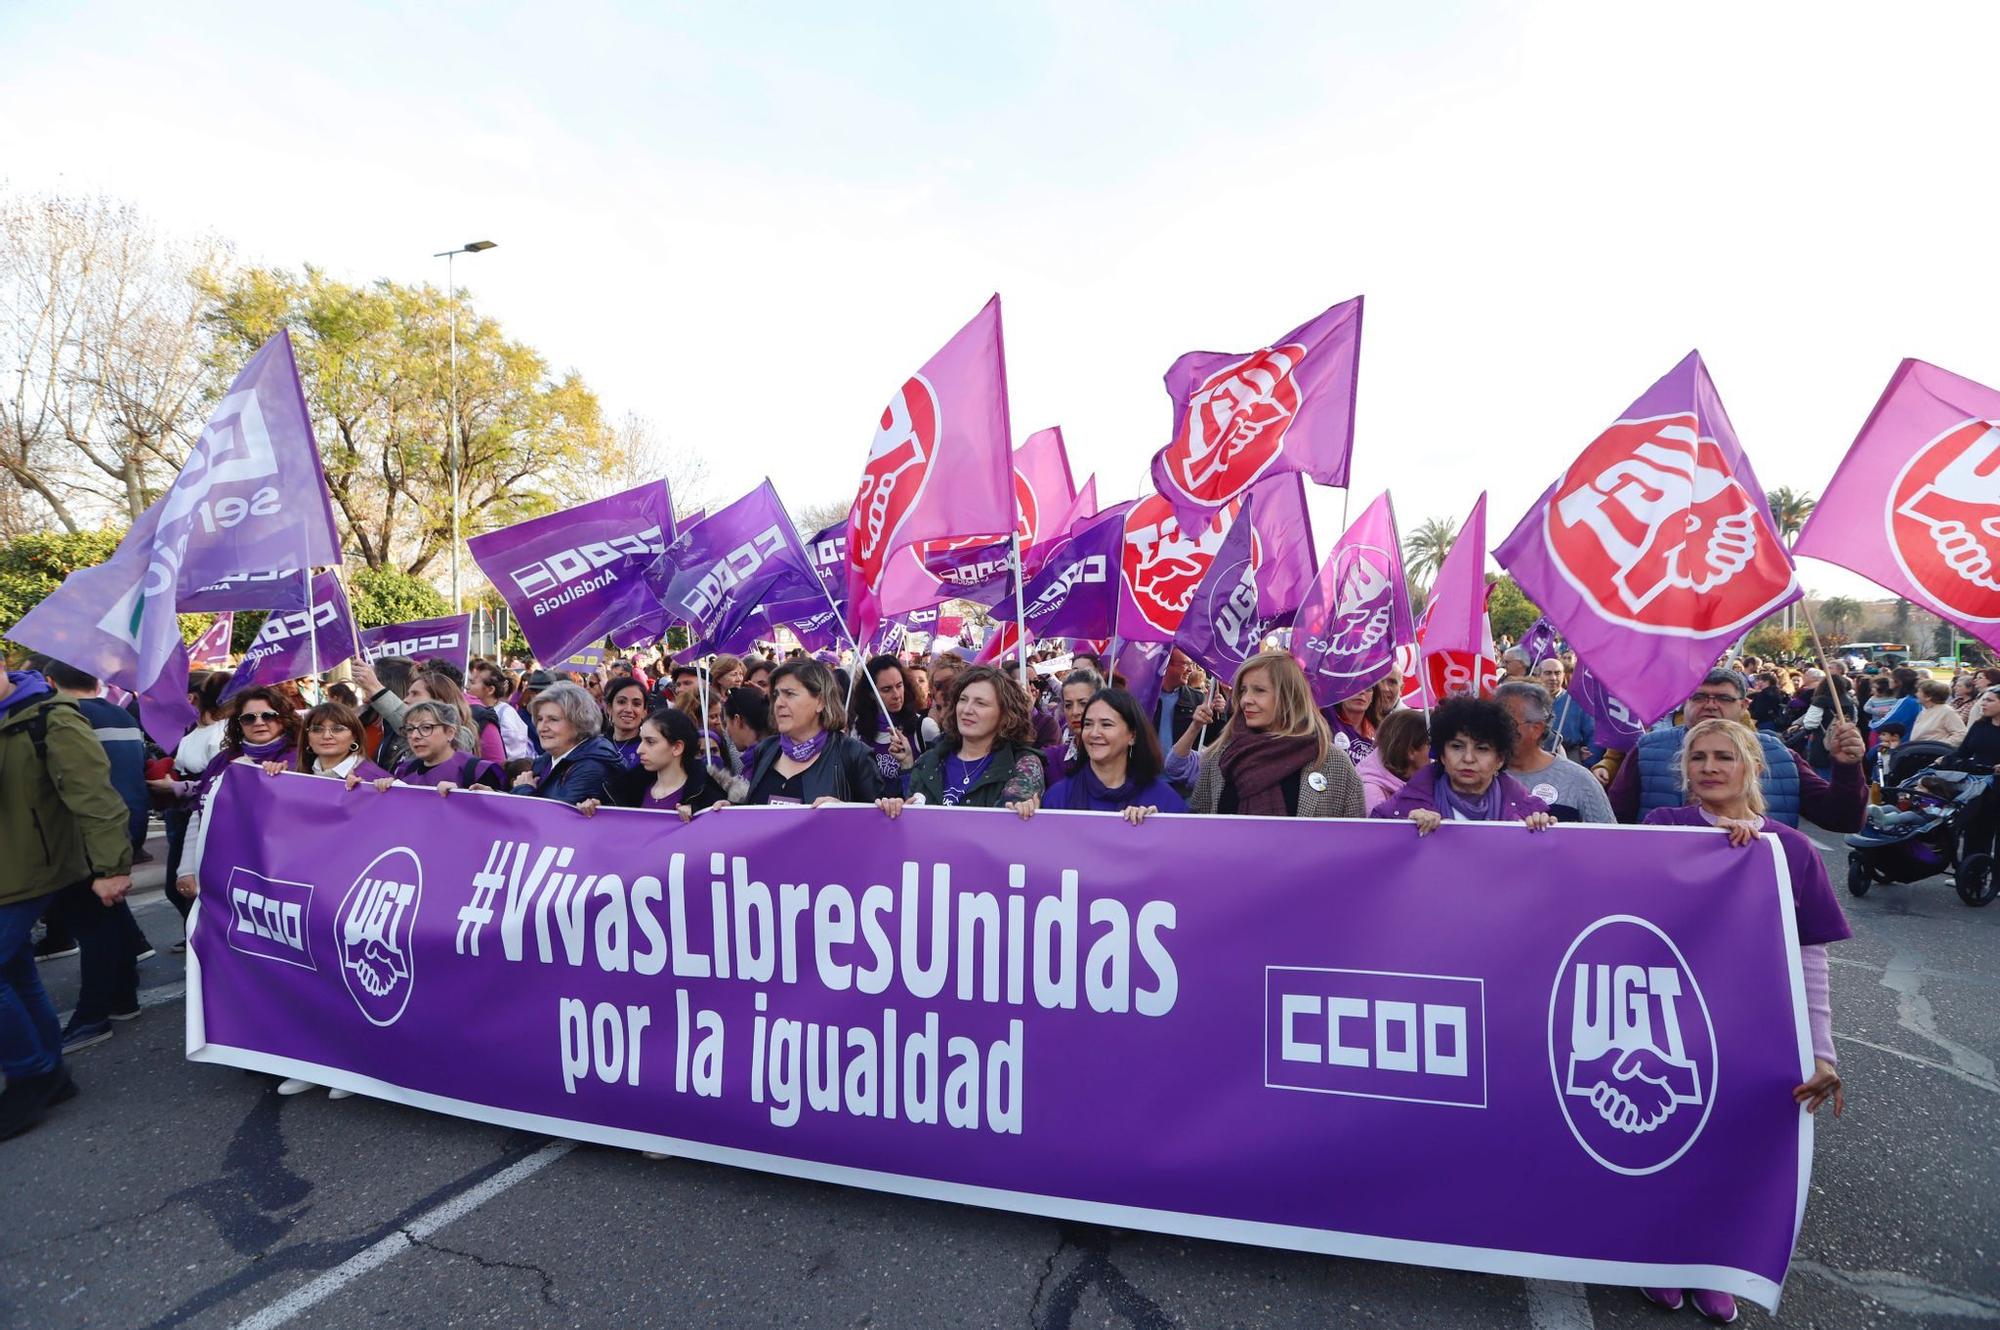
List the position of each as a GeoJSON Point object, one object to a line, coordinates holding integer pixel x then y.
{"type": "Point", "coordinates": [61, 825]}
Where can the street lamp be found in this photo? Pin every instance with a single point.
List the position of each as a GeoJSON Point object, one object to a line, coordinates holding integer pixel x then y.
{"type": "Point", "coordinates": [454, 442]}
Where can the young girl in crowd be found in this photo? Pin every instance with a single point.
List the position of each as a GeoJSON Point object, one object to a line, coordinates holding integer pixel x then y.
{"type": "Point", "coordinates": [668, 778]}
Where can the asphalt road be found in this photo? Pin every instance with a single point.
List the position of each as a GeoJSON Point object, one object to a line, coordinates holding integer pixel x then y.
{"type": "Point", "coordinates": [175, 1194]}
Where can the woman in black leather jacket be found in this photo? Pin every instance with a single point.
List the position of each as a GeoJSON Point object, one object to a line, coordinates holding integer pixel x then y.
{"type": "Point", "coordinates": [809, 760]}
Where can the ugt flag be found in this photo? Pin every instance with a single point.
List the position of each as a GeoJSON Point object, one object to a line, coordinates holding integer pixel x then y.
{"type": "Point", "coordinates": [940, 468]}
{"type": "Point", "coordinates": [1457, 649]}
{"type": "Point", "coordinates": [1915, 505]}
{"type": "Point", "coordinates": [1253, 588]}
{"type": "Point", "coordinates": [1539, 642]}
{"type": "Point", "coordinates": [1656, 549]}
{"type": "Point", "coordinates": [1358, 611]}
{"type": "Point", "coordinates": [211, 650]}
{"type": "Point", "coordinates": [250, 499]}
{"type": "Point", "coordinates": [1162, 564]}
{"type": "Point", "coordinates": [1286, 407]}
{"type": "Point", "coordinates": [574, 576]}
{"type": "Point", "coordinates": [447, 638]}
{"type": "Point", "coordinates": [717, 572]}
{"type": "Point", "coordinates": [293, 644]}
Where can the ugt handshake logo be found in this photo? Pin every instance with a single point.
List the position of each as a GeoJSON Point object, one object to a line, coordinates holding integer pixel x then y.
{"type": "Point", "coordinates": [1631, 1046]}
{"type": "Point", "coordinates": [377, 926]}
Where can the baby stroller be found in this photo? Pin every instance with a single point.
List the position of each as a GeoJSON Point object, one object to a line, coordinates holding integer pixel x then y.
{"type": "Point", "coordinates": [1920, 829]}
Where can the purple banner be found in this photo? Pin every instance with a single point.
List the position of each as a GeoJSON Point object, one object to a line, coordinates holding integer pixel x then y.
{"type": "Point", "coordinates": [572, 577]}
{"type": "Point", "coordinates": [446, 638]}
{"type": "Point", "coordinates": [1066, 1020]}
{"type": "Point", "coordinates": [284, 648]}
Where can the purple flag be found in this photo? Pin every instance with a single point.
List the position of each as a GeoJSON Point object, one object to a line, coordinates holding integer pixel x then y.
{"type": "Point", "coordinates": [211, 650]}
{"type": "Point", "coordinates": [1914, 506]}
{"type": "Point", "coordinates": [827, 553]}
{"type": "Point", "coordinates": [1358, 612]}
{"type": "Point", "coordinates": [1288, 407]}
{"type": "Point", "coordinates": [284, 649]}
{"type": "Point", "coordinates": [250, 500]}
{"type": "Point", "coordinates": [717, 572]}
{"type": "Point", "coordinates": [1359, 1048]}
{"type": "Point", "coordinates": [448, 638]}
{"type": "Point", "coordinates": [1076, 592]}
{"type": "Point", "coordinates": [573, 576]}
{"type": "Point", "coordinates": [1617, 727]}
{"type": "Point", "coordinates": [1143, 666]}
{"type": "Point", "coordinates": [1540, 642]}
{"type": "Point", "coordinates": [1223, 626]}
{"type": "Point", "coordinates": [1656, 549]}
{"type": "Point", "coordinates": [940, 468]}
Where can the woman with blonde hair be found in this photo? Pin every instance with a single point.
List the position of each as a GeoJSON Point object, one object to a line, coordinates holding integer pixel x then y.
{"type": "Point", "coordinates": [1721, 762]}
{"type": "Point", "coordinates": [1277, 757]}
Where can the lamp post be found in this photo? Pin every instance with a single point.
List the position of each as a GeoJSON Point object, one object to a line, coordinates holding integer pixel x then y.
{"type": "Point", "coordinates": [454, 444]}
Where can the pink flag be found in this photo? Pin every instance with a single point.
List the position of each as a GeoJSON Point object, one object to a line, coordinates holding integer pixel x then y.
{"type": "Point", "coordinates": [1043, 491]}
{"type": "Point", "coordinates": [1457, 645]}
{"type": "Point", "coordinates": [1915, 505]}
{"type": "Point", "coordinates": [1656, 549]}
{"type": "Point", "coordinates": [940, 468]}
{"type": "Point", "coordinates": [1285, 407]}
{"type": "Point", "coordinates": [211, 650]}
{"type": "Point", "coordinates": [1358, 611]}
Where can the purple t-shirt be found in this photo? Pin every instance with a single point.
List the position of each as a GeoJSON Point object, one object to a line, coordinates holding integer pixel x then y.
{"type": "Point", "coordinates": [1817, 909]}
{"type": "Point", "coordinates": [459, 769]}
{"type": "Point", "coordinates": [660, 804]}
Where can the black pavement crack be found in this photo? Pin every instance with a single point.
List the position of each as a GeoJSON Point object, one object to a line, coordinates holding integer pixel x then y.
{"type": "Point", "coordinates": [1094, 1269]}
{"type": "Point", "coordinates": [488, 1263]}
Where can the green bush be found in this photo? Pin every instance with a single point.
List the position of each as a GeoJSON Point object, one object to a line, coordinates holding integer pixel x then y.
{"type": "Point", "coordinates": [380, 597]}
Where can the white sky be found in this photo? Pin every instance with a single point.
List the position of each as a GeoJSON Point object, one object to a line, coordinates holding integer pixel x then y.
{"type": "Point", "coordinates": [751, 223]}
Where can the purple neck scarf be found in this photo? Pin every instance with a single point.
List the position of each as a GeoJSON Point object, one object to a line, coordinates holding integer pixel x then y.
{"type": "Point", "coordinates": [803, 752]}
{"type": "Point", "coordinates": [1452, 806]}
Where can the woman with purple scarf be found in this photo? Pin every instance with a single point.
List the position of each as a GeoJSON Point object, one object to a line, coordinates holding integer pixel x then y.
{"type": "Point", "coordinates": [1118, 769]}
{"type": "Point", "coordinates": [1470, 740]}
{"type": "Point", "coordinates": [262, 727]}
{"type": "Point", "coordinates": [1721, 769]}
{"type": "Point", "coordinates": [1277, 757]}
{"type": "Point", "coordinates": [809, 760]}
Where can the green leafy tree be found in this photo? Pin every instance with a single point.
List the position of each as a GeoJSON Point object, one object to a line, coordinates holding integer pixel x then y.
{"type": "Point", "coordinates": [1837, 616]}
{"type": "Point", "coordinates": [1424, 551]}
{"type": "Point", "coordinates": [1510, 612]}
{"type": "Point", "coordinates": [382, 596]}
{"type": "Point", "coordinates": [1789, 509]}
{"type": "Point", "coordinates": [376, 364]}
{"type": "Point", "coordinates": [1772, 640]}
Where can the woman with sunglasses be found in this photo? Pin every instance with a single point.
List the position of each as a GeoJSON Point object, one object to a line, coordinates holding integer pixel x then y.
{"type": "Point", "coordinates": [261, 728]}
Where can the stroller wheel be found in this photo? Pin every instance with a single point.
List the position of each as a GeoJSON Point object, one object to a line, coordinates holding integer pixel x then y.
{"type": "Point", "coordinates": [1859, 876]}
{"type": "Point", "coordinates": [1975, 882]}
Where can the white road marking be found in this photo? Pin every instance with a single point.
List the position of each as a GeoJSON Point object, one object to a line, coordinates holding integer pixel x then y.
{"type": "Point", "coordinates": [1905, 978]}
{"type": "Point", "coordinates": [1933, 1064]}
{"type": "Point", "coordinates": [1907, 1293]}
{"type": "Point", "coordinates": [1555, 1305]}
{"type": "Point", "coordinates": [403, 1239]}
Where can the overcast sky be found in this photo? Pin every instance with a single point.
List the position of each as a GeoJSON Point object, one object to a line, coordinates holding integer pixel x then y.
{"type": "Point", "coordinates": [751, 223]}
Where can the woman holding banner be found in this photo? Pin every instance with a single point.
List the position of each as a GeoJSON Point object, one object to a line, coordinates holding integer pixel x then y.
{"type": "Point", "coordinates": [625, 709]}
{"type": "Point", "coordinates": [436, 755]}
{"type": "Point", "coordinates": [262, 728]}
{"type": "Point", "coordinates": [1721, 769]}
{"type": "Point", "coordinates": [986, 757]}
{"type": "Point", "coordinates": [1277, 758]}
{"type": "Point", "coordinates": [809, 760]}
{"type": "Point", "coordinates": [433, 686]}
{"type": "Point", "coordinates": [335, 744]}
{"type": "Point", "coordinates": [669, 778]}
{"type": "Point", "coordinates": [1470, 740]}
{"type": "Point", "coordinates": [1117, 769]}
{"type": "Point", "coordinates": [576, 761]}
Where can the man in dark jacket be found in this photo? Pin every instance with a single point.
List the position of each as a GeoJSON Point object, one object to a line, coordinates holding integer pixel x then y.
{"type": "Point", "coordinates": [62, 825]}
{"type": "Point", "coordinates": [1178, 702]}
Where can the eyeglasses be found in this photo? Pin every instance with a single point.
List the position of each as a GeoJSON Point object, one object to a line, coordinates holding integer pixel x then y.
{"type": "Point", "coordinates": [329, 728]}
{"type": "Point", "coordinates": [259, 717]}
{"type": "Point", "coordinates": [1719, 699]}
{"type": "Point", "coordinates": [421, 731]}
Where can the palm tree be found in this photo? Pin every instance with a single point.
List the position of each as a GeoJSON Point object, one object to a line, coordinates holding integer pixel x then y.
{"type": "Point", "coordinates": [1424, 549]}
{"type": "Point", "coordinates": [1838, 614]}
{"type": "Point", "coordinates": [1789, 509]}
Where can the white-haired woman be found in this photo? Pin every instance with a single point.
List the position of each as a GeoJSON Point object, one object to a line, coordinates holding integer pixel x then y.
{"type": "Point", "coordinates": [577, 762]}
{"type": "Point", "coordinates": [1721, 763]}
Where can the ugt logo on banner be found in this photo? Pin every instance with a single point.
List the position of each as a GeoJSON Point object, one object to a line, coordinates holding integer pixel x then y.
{"type": "Point", "coordinates": [1944, 521]}
{"type": "Point", "coordinates": [1652, 527]}
{"type": "Point", "coordinates": [1631, 1046]}
{"type": "Point", "coordinates": [377, 925]}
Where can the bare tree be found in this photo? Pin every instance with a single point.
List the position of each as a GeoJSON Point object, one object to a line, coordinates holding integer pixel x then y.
{"type": "Point", "coordinates": [817, 517]}
{"type": "Point", "coordinates": [639, 454]}
{"type": "Point", "coordinates": [105, 356]}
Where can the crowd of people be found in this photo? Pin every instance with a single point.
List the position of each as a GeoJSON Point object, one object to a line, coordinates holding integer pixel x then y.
{"type": "Point", "coordinates": [1757, 747]}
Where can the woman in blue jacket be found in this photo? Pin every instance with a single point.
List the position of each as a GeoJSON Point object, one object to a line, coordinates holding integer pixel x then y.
{"type": "Point", "coordinates": [577, 762]}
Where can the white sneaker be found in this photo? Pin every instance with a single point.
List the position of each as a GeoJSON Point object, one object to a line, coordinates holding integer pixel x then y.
{"type": "Point", "coordinates": [293, 1085]}
{"type": "Point", "coordinates": [338, 1094]}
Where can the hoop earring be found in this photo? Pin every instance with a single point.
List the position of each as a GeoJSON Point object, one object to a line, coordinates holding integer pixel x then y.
{"type": "Point", "coordinates": [354, 748]}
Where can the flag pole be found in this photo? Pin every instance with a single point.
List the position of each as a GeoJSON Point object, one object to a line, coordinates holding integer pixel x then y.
{"type": "Point", "coordinates": [1832, 688]}
{"type": "Point", "coordinates": [312, 635]}
{"type": "Point", "coordinates": [1020, 614]}
{"type": "Point", "coordinates": [860, 656]}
